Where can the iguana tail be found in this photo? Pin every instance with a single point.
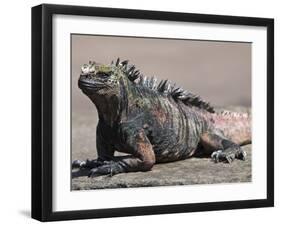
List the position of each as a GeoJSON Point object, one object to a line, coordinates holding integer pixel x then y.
{"type": "Point", "coordinates": [235, 126]}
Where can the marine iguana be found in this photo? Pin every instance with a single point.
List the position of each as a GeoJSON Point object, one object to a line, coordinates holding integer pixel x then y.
{"type": "Point", "coordinates": [154, 122]}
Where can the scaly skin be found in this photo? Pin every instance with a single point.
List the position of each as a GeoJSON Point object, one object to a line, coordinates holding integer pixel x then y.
{"type": "Point", "coordinates": [154, 122]}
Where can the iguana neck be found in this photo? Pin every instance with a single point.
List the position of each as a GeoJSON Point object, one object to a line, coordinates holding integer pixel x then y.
{"type": "Point", "coordinates": [108, 109]}
{"type": "Point", "coordinates": [113, 107]}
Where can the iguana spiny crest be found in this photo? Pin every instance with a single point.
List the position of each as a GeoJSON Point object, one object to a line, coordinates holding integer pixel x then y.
{"type": "Point", "coordinates": [109, 76]}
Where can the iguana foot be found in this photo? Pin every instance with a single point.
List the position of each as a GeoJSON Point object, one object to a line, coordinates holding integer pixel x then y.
{"type": "Point", "coordinates": [108, 168]}
{"type": "Point", "coordinates": [225, 150]}
{"type": "Point", "coordinates": [241, 154]}
{"type": "Point", "coordinates": [88, 164]}
{"type": "Point", "coordinates": [220, 156]}
{"type": "Point", "coordinates": [228, 155]}
{"type": "Point", "coordinates": [77, 164]}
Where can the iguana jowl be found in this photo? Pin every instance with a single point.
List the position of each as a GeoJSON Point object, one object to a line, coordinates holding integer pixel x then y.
{"type": "Point", "coordinates": [154, 122]}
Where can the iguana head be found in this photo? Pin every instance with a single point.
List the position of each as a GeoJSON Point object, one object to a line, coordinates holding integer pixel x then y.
{"type": "Point", "coordinates": [99, 79]}
{"type": "Point", "coordinates": [105, 85]}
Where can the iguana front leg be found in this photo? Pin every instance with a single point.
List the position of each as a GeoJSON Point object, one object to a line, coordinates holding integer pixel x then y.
{"type": "Point", "coordinates": [142, 156]}
{"type": "Point", "coordinates": [223, 150]}
{"type": "Point", "coordinates": [105, 151]}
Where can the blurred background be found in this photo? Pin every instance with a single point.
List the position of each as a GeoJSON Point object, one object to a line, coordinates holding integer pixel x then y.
{"type": "Point", "coordinates": [220, 72]}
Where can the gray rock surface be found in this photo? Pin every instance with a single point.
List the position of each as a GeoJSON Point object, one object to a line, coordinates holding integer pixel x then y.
{"type": "Point", "coordinates": [184, 172]}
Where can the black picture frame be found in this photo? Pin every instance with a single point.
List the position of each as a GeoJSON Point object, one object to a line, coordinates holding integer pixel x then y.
{"type": "Point", "coordinates": [42, 111]}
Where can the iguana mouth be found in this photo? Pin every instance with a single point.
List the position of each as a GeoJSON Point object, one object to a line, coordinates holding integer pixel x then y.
{"type": "Point", "coordinates": [87, 82]}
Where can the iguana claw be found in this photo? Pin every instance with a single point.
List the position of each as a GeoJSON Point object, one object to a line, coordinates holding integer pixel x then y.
{"type": "Point", "coordinates": [78, 164]}
{"type": "Point", "coordinates": [220, 156]}
{"type": "Point", "coordinates": [215, 156]}
{"type": "Point", "coordinates": [110, 168]}
{"type": "Point", "coordinates": [87, 164]}
{"type": "Point", "coordinates": [241, 155]}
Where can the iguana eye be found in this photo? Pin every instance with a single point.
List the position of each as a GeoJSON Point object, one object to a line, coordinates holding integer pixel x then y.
{"type": "Point", "coordinates": [85, 68]}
